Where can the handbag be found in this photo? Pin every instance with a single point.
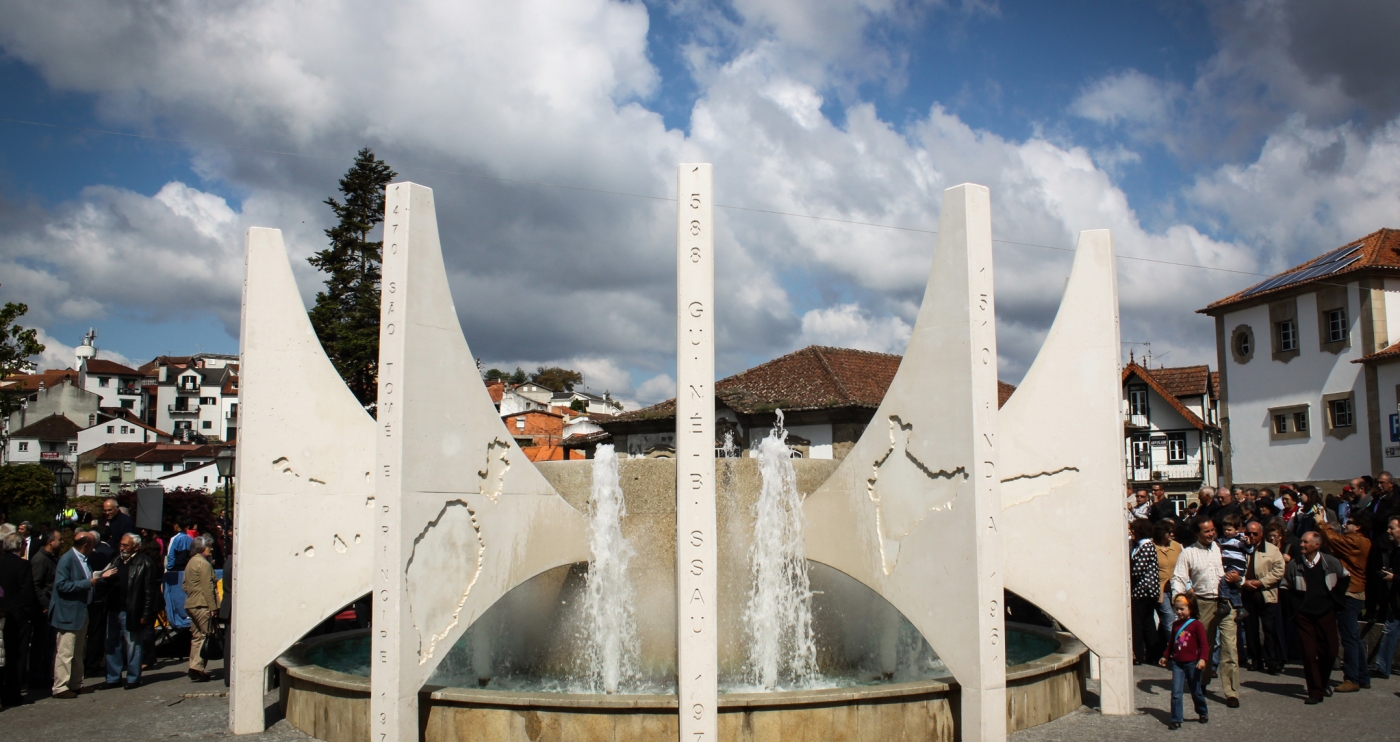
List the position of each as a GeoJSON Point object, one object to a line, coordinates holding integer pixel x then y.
{"type": "Point", "coordinates": [213, 648]}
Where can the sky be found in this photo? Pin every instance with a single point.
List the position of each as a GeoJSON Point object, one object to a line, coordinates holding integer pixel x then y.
{"type": "Point", "coordinates": [140, 140]}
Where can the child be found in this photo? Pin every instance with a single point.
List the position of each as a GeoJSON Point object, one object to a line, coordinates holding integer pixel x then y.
{"type": "Point", "coordinates": [1188, 652]}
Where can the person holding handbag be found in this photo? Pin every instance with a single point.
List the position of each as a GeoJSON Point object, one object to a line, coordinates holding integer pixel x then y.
{"type": "Point", "coordinates": [201, 603]}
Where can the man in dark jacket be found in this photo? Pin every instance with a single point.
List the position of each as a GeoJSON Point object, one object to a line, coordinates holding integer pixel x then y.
{"type": "Point", "coordinates": [115, 523]}
{"type": "Point", "coordinates": [20, 607]}
{"type": "Point", "coordinates": [44, 563]}
{"type": "Point", "coordinates": [1319, 584]}
{"type": "Point", "coordinates": [132, 604]}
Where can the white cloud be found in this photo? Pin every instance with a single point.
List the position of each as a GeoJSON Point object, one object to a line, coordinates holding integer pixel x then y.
{"type": "Point", "coordinates": [848, 326]}
{"type": "Point", "coordinates": [1129, 96]}
{"type": "Point", "coordinates": [656, 389]}
{"type": "Point", "coordinates": [56, 355]}
{"type": "Point", "coordinates": [557, 92]}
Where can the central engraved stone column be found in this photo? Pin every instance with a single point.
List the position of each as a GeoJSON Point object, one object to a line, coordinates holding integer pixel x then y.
{"type": "Point", "coordinates": [697, 649]}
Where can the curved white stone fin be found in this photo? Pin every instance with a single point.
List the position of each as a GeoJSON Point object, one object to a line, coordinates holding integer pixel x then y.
{"type": "Point", "coordinates": [1062, 463]}
{"type": "Point", "coordinates": [303, 517]}
{"type": "Point", "coordinates": [462, 515]}
{"type": "Point", "coordinates": [912, 511]}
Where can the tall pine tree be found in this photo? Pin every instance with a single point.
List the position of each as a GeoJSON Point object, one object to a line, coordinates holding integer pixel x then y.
{"type": "Point", "coordinates": [346, 315]}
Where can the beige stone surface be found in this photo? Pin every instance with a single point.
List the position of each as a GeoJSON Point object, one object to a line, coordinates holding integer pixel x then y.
{"type": "Point", "coordinates": [912, 510]}
{"type": "Point", "coordinates": [302, 519]}
{"type": "Point", "coordinates": [1075, 475]}
{"type": "Point", "coordinates": [462, 516]}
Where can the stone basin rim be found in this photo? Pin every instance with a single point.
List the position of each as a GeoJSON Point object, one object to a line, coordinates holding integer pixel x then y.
{"type": "Point", "coordinates": [294, 662]}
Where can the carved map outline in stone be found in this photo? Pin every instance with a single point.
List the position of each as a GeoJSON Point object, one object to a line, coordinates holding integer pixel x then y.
{"type": "Point", "coordinates": [1026, 487]}
{"type": "Point", "coordinates": [445, 557]}
{"type": "Point", "coordinates": [897, 517]}
{"type": "Point", "coordinates": [496, 467]}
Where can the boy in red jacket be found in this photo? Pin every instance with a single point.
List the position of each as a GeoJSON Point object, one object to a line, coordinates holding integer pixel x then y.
{"type": "Point", "coordinates": [1188, 652]}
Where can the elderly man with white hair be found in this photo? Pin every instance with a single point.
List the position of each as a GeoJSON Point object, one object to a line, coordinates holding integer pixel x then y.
{"type": "Point", "coordinates": [132, 604]}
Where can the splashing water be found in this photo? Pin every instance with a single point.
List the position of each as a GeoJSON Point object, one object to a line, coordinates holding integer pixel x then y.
{"type": "Point", "coordinates": [778, 618]}
{"type": "Point", "coordinates": [610, 624]}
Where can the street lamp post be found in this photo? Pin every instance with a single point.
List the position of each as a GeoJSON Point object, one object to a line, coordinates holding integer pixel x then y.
{"type": "Point", "coordinates": [62, 477]}
{"type": "Point", "coordinates": [224, 460]}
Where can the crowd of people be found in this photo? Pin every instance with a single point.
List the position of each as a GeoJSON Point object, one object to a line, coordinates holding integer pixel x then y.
{"type": "Point", "coordinates": [1258, 579]}
{"type": "Point", "coordinates": [89, 600]}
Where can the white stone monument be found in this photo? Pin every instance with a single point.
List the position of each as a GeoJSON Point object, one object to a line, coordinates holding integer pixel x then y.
{"type": "Point", "coordinates": [302, 508]}
{"type": "Point", "coordinates": [1062, 463]}
{"type": "Point", "coordinates": [697, 657]}
{"type": "Point", "coordinates": [913, 510]}
{"type": "Point", "coordinates": [461, 515]}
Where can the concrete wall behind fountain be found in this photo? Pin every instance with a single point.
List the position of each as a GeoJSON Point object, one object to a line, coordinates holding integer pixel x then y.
{"type": "Point", "coordinates": [650, 488]}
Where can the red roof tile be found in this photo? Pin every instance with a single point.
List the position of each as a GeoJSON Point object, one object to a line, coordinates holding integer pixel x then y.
{"type": "Point", "coordinates": [55, 427]}
{"type": "Point", "coordinates": [50, 379]}
{"type": "Point", "coordinates": [813, 378]}
{"type": "Point", "coordinates": [101, 366]}
{"type": "Point", "coordinates": [1379, 250]}
{"type": "Point", "coordinates": [1183, 381]}
{"type": "Point", "coordinates": [1384, 355]}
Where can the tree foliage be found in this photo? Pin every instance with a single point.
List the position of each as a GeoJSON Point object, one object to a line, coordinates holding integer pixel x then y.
{"type": "Point", "coordinates": [558, 379]}
{"type": "Point", "coordinates": [346, 315]}
{"type": "Point", "coordinates": [17, 346]}
{"type": "Point", "coordinates": [25, 487]}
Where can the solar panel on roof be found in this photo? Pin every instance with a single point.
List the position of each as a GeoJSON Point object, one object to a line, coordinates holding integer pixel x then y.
{"type": "Point", "coordinates": [1332, 262]}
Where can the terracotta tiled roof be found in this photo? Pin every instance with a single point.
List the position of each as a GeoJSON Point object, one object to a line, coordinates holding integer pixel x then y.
{"type": "Point", "coordinates": [1215, 385]}
{"type": "Point", "coordinates": [1004, 392]}
{"type": "Point", "coordinates": [125, 451]}
{"type": "Point", "coordinates": [1183, 381]}
{"type": "Point", "coordinates": [1382, 356]}
{"type": "Point", "coordinates": [168, 454]}
{"type": "Point", "coordinates": [101, 366]}
{"type": "Point", "coordinates": [55, 427]}
{"type": "Point", "coordinates": [1132, 369]}
{"type": "Point", "coordinates": [497, 390]}
{"type": "Point", "coordinates": [813, 378]}
{"type": "Point", "coordinates": [183, 471]}
{"type": "Point", "coordinates": [50, 379]}
{"type": "Point", "coordinates": [1379, 250]}
{"type": "Point", "coordinates": [149, 368]}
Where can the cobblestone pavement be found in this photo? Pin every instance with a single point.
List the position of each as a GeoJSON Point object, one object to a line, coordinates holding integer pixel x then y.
{"type": "Point", "coordinates": [169, 706]}
{"type": "Point", "coordinates": [1271, 708]}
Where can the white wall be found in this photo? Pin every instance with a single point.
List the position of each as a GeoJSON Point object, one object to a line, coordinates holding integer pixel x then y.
{"type": "Point", "coordinates": [205, 477]}
{"type": "Point", "coordinates": [1387, 378]}
{"type": "Point", "coordinates": [122, 432]}
{"type": "Point", "coordinates": [1263, 383]}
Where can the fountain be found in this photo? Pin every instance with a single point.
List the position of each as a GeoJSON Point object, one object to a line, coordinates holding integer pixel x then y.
{"type": "Point", "coordinates": [856, 598]}
{"type": "Point", "coordinates": [609, 626]}
{"type": "Point", "coordinates": [778, 618]}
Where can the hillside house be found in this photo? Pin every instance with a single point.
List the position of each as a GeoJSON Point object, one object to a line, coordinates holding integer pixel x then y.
{"type": "Point", "coordinates": [1171, 430]}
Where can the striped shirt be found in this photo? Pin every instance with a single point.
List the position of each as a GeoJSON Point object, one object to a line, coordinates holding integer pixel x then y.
{"type": "Point", "coordinates": [1198, 568]}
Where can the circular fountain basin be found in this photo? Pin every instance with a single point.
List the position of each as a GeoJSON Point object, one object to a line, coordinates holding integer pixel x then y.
{"type": "Point", "coordinates": [325, 693]}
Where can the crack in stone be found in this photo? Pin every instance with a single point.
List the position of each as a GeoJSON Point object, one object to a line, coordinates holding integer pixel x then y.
{"type": "Point", "coordinates": [1023, 488]}
{"type": "Point", "coordinates": [497, 464]}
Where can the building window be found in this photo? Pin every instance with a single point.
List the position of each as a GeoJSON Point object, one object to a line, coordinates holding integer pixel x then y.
{"type": "Point", "coordinates": [1287, 336]}
{"type": "Point", "coordinates": [1336, 325]}
{"type": "Point", "coordinates": [103, 381]}
{"type": "Point", "coordinates": [105, 489]}
{"type": "Point", "coordinates": [92, 420]}
{"type": "Point", "coordinates": [182, 425]}
{"type": "Point", "coordinates": [1341, 414]}
{"type": "Point", "coordinates": [72, 448]}
{"type": "Point", "coordinates": [182, 404]}
{"type": "Point", "coordinates": [1176, 448]}
{"type": "Point", "coordinates": [206, 425]}
{"type": "Point", "coordinates": [23, 446]}
{"type": "Point", "coordinates": [1142, 453]}
{"type": "Point", "coordinates": [1137, 400]}
{"type": "Point", "coordinates": [126, 466]}
{"type": "Point", "coordinates": [1289, 423]}
{"type": "Point", "coordinates": [112, 428]}
{"type": "Point", "coordinates": [519, 423]}
{"type": "Point", "coordinates": [208, 400]}
{"type": "Point", "coordinates": [1242, 344]}
{"type": "Point", "coordinates": [167, 467]}
{"type": "Point", "coordinates": [128, 404]}
{"type": "Point", "coordinates": [189, 383]}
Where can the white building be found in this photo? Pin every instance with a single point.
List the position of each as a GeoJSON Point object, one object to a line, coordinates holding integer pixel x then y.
{"type": "Point", "coordinates": [47, 440]}
{"type": "Point", "coordinates": [198, 398]}
{"type": "Point", "coordinates": [118, 386]}
{"type": "Point", "coordinates": [1171, 432]}
{"type": "Point", "coordinates": [1295, 404]}
{"type": "Point", "coordinates": [118, 429]}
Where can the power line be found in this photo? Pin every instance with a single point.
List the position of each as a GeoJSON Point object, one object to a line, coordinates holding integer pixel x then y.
{"type": "Point", "coordinates": [458, 173]}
